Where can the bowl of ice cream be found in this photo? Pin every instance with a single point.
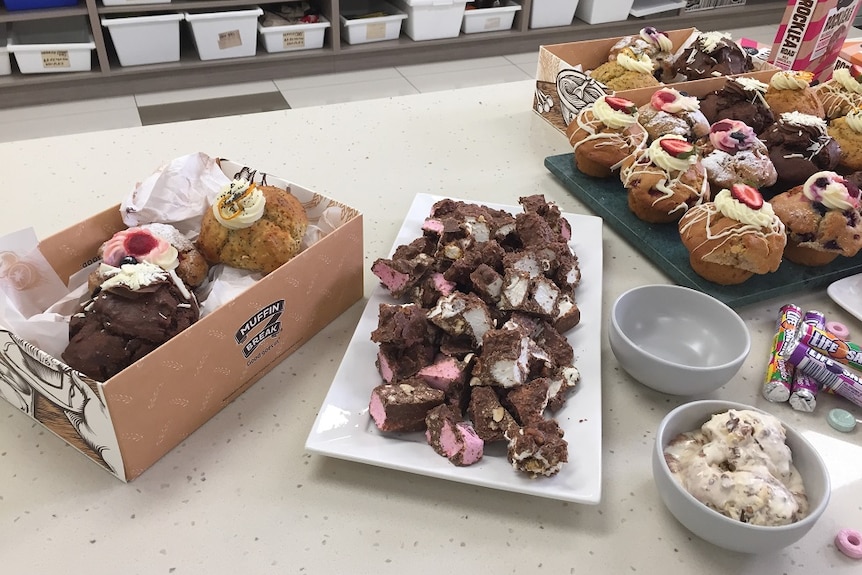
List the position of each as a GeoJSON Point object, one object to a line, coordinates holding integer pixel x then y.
{"type": "Point", "coordinates": [738, 477]}
{"type": "Point", "coordinates": [677, 340]}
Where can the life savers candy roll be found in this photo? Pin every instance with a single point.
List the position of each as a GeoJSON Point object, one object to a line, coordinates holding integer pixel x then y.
{"type": "Point", "coordinates": [832, 346]}
{"type": "Point", "coordinates": [831, 374]}
{"type": "Point", "coordinates": [779, 373]}
{"type": "Point", "coordinates": [803, 391]}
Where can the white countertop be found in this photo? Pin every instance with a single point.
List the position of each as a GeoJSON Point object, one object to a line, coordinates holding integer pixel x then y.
{"type": "Point", "coordinates": [241, 495]}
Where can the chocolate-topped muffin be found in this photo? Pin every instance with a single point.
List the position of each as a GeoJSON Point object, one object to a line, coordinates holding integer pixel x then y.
{"type": "Point", "coordinates": [135, 310]}
{"type": "Point", "coordinates": [712, 54]}
{"type": "Point", "coordinates": [739, 99]}
{"type": "Point", "coordinates": [799, 147]}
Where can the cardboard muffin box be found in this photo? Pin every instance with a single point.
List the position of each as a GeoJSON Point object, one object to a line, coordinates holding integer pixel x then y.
{"type": "Point", "coordinates": [563, 89]}
{"type": "Point", "coordinates": [128, 422]}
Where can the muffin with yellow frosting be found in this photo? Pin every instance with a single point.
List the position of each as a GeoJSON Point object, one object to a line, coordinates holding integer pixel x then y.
{"type": "Point", "coordinates": [252, 227]}
{"type": "Point", "coordinates": [822, 218]}
{"type": "Point", "coordinates": [664, 180]}
{"type": "Point", "coordinates": [847, 132]}
{"type": "Point", "coordinates": [791, 91]}
{"type": "Point", "coordinates": [733, 237]}
{"type": "Point", "coordinates": [627, 71]}
{"type": "Point", "coordinates": [604, 134]}
{"type": "Point", "coordinates": [840, 94]}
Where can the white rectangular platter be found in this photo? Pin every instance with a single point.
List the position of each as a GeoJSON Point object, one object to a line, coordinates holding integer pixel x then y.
{"type": "Point", "coordinates": [343, 428]}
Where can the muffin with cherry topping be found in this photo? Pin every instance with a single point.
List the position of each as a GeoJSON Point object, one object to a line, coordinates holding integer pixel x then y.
{"type": "Point", "coordinates": [664, 180]}
{"type": "Point", "coordinates": [840, 94]}
{"type": "Point", "coordinates": [847, 132]}
{"type": "Point", "coordinates": [733, 237]}
{"type": "Point", "coordinates": [739, 99]}
{"type": "Point", "coordinates": [671, 112]}
{"type": "Point", "coordinates": [822, 218]}
{"type": "Point", "coordinates": [732, 154]}
{"type": "Point", "coordinates": [626, 72]}
{"type": "Point", "coordinates": [791, 91]}
{"type": "Point", "coordinates": [605, 134]}
{"type": "Point", "coordinates": [799, 146]}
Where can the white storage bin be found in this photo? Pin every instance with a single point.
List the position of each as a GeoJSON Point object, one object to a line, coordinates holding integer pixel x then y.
{"type": "Point", "coordinates": [133, 2]}
{"type": "Point", "coordinates": [52, 46]}
{"type": "Point", "coordinates": [550, 13]}
{"type": "Point", "coordinates": [357, 30]}
{"type": "Point", "coordinates": [432, 19]}
{"type": "Point", "coordinates": [293, 37]}
{"type": "Point", "coordinates": [230, 34]}
{"type": "Point", "coordinates": [5, 64]}
{"type": "Point", "coordinates": [600, 11]}
{"type": "Point", "coordinates": [145, 39]}
{"type": "Point", "coordinates": [490, 19]}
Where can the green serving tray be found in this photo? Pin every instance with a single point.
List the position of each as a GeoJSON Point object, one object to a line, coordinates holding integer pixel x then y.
{"type": "Point", "coordinates": [660, 243]}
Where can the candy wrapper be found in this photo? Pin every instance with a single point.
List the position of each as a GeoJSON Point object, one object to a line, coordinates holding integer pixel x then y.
{"type": "Point", "coordinates": [779, 373]}
{"type": "Point", "coordinates": [834, 376]}
{"type": "Point", "coordinates": [803, 392]}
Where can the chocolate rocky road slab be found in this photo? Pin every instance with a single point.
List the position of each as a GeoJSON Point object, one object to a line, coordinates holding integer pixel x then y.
{"type": "Point", "coordinates": [661, 244]}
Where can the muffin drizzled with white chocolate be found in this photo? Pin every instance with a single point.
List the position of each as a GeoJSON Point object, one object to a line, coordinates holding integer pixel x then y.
{"type": "Point", "coordinates": [664, 180]}
{"type": "Point", "coordinates": [604, 134]}
{"type": "Point", "coordinates": [253, 227]}
{"type": "Point", "coordinates": [840, 94]}
{"type": "Point", "coordinates": [847, 133]}
{"type": "Point", "coordinates": [651, 42]}
{"type": "Point", "coordinates": [739, 464]}
{"type": "Point", "coordinates": [733, 237]}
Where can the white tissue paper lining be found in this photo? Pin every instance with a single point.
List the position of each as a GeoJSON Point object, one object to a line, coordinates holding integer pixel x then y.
{"type": "Point", "coordinates": [36, 305]}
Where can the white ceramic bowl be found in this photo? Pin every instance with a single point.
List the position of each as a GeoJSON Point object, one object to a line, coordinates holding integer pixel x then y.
{"type": "Point", "coordinates": [712, 525]}
{"type": "Point", "coordinates": [677, 340]}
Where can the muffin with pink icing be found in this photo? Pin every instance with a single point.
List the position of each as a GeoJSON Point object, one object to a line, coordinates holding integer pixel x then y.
{"type": "Point", "coordinates": [840, 94]}
{"type": "Point", "coordinates": [733, 154]}
{"type": "Point", "coordinates": [733, 237]}
{"type": "Point", "coordinates": [664, 180]}
{"type": "Point", "coordinates": [822, 218]}
{"type": "Point", "coordinates": [847, 132]}
{"type": "Point", "coordinates": [791, 91]}
{"type": "Point", "coordinates": [671, 112]}
{"type": "Point", "coordinates": [604, 134]}
{"type": "Point", "coordinates": [627, 71]}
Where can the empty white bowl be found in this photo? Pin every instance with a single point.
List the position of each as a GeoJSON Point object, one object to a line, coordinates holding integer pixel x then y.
{"type": "Point", "coordinates": [711, 525]}
{"type": "Point", "coordinates": [677, 340]}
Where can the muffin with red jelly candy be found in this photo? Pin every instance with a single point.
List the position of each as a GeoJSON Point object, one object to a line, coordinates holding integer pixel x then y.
{"type": "Point", "coordinates": [732, 154]}
{"type": "Point", "coordinates": [605, 134]}
{"type": "Point", "coordinates": [671, 112]}
{"type": "Point", "coordinates": [822, 218]}
{"type": "Point", "coordinates": [664, 180]}
{"type": "Point", "coordinates": [733, 237]}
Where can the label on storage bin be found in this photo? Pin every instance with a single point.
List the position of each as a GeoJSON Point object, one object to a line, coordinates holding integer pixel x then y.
{"type": "Point", "coordinates": [292, 39]}
{"type": "Point", "coordinates": [52, 59]}
{"type": "Point", "coordinates": [376, 31]}
{"type": "Point", "coordinates": [230, 39]}
{"type": "Point", "coordinates": [492, 23]}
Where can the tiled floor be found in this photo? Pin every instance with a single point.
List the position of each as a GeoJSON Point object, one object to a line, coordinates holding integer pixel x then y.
{"type": "Point", "coordinates": [127, 111]}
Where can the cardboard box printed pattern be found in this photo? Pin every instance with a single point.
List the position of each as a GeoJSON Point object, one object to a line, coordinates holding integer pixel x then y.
{"type": "Point", "coordinates": [563, 88]}
{"type": "Point", "coordinates": [128, 422]}
{"type": "Point", "coordinates": [811, 35]}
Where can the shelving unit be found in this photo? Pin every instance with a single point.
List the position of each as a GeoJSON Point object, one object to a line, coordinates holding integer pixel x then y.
{"type": "Point", "coordinates": [108, 78]}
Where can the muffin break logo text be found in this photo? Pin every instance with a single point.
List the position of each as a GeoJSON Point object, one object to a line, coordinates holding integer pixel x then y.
{"type": "Point", "coordinates": [269, 317]}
